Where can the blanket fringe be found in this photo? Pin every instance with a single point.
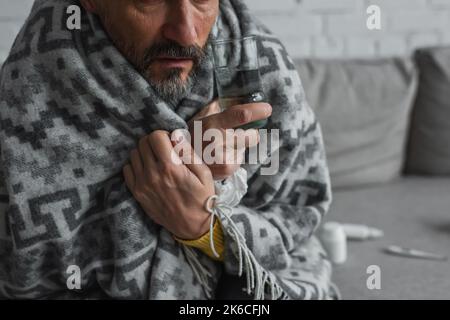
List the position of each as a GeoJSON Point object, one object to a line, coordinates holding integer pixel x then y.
{"type": "Point", "coordinates": [201, 273]}
{"type": "Point", "coordinates": [257, 277]}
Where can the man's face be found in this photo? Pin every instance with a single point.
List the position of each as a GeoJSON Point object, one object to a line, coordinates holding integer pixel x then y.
{"type": "Point", "coordinates": [163, 39]}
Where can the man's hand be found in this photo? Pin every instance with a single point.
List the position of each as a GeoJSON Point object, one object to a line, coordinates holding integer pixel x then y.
{"type": "Point", "coordinates": [232, 150]}
{"type": "Point", "coordinates": [172, 193]}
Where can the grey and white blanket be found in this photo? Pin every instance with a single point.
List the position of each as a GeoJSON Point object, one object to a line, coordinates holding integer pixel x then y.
{"type": "Point", "coordinates": [71, 110]}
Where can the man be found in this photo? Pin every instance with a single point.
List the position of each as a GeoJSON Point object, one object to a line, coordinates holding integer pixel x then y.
{"type": "Point", "coordinates": [90, 121]}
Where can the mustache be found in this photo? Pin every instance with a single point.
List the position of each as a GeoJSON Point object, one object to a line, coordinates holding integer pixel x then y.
{"type": "Point", "coordinates": [173, 50]}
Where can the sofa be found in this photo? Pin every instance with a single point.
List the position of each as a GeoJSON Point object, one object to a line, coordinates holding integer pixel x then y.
{"type": "Point", "coordinates": [386, 126]}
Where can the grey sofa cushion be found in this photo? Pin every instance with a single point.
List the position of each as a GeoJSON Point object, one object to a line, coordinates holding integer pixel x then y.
{"type": "Point", "coordinates": [412, 212]}
{"type": "Point", "coordinates": [364, 108]}
{"type": "Point", "coordinates": [429, 147]}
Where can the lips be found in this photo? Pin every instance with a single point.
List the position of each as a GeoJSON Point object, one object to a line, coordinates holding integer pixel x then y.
{"type": "Point", "coordinates": [174, 62]}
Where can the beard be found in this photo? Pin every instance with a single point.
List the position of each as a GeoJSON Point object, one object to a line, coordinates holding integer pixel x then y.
{"type": "Point", "coordinates": [171, 86]}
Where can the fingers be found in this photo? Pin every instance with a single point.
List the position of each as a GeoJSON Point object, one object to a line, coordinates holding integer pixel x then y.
{"type": "Point", "coordinates": [224, 155]}
{"type": "Point", "coordinates": [210, 109]}
{"type": "Point", "coordinates": [191, 160]}
{"type": "Point", "coordinates": [245, 138]}
{"type": "Point", "coordinates": [181, 155]}
{"type": "Point", "coordinates": [136, 163]}
{"type": "Point", "coordinates": [238, 116]}
{"type": "Point", "coordinates": [238, 139]}
{"type": "Point", "coordinates": [130, 179]}
{"type": "Point", "coordinates": [161, 146]}
{"type": "Point", "coordinates": [147, 156]}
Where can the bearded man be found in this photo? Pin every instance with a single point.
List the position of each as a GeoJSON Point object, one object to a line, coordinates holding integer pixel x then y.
{"type": "Point", "coordinates": [90, 119]}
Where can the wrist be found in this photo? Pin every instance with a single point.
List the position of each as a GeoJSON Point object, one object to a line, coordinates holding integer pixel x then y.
{"type": "Point", "coordinates": [196, 229]}
{"type": "Point", "coordinates": [203, 243]}
{"type": "Point", "coordinates": [197, 225]}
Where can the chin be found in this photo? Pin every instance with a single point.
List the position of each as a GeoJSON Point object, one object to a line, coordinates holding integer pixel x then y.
{"type": "Point", "coordinates": [173, 75]}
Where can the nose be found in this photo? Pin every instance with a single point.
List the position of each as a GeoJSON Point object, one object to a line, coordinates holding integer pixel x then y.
{"type": "Point", "coordinates": [180, 25]}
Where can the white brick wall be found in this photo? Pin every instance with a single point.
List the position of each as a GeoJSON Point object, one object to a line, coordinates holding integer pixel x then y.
{"type": "Point", "coordinates": [337, 28]}
{"type": "Point", "coordinates": [318, 28]}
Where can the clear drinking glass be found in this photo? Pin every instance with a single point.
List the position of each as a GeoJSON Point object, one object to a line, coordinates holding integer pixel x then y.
{"type": "Point", "coordinates": [238, 79]}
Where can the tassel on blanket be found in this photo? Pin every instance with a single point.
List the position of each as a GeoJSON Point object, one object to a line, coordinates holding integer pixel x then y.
{"type": "Point", "coordinates": [257, 276]}
{"type": "Point", "coordinates": [201, 273]}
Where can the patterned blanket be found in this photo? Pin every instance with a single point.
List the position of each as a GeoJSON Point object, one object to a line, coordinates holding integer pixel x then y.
{"type": "Point", "coordinates": [71, 110]}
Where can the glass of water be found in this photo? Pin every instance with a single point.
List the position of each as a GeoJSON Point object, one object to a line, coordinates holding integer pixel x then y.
{"type": "Point", "coordinates": [237, 75]}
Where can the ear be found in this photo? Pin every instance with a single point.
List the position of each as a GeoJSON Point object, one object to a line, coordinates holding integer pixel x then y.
{"type": "Point", "coordinates": [89, 5]}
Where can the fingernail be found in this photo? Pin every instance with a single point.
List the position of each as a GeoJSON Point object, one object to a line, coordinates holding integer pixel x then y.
{"type": "Point", "coordinates": [268, 109]}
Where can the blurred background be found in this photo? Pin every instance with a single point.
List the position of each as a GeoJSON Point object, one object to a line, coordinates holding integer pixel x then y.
{"type": "Point", "coordinates": [383, 100]}
{"type": "Point", "coordinates": [337, 28]}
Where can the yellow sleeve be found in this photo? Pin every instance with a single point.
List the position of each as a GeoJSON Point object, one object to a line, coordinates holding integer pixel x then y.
{"type": "Point", "coordinates": [203, 243]}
